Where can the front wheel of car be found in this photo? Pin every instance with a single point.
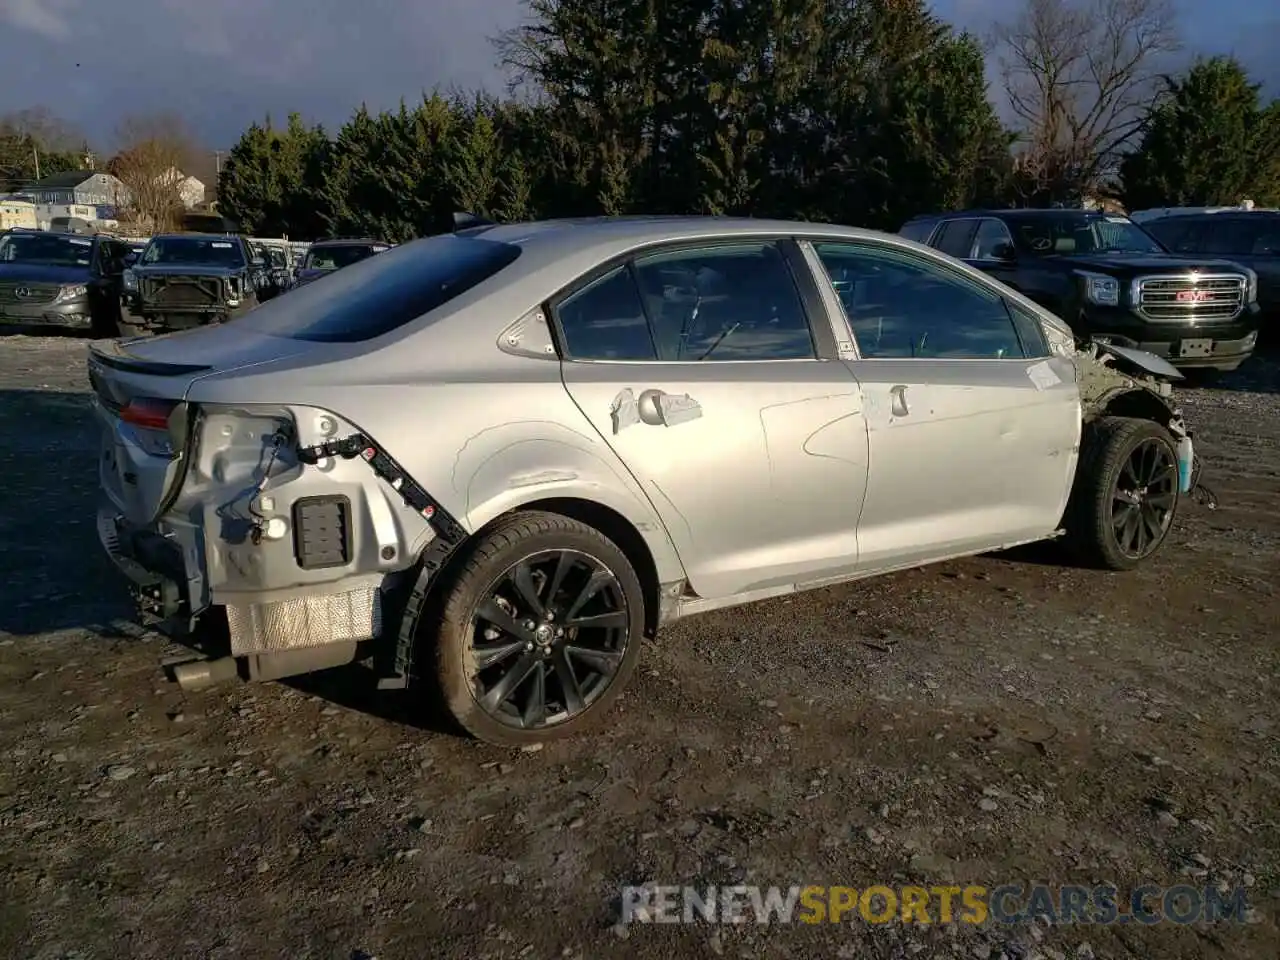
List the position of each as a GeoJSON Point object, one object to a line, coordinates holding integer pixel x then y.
{"type": "Point", "coordinates": [539, 631]}
{"type": "Point", "coordinates": [1125, 494]}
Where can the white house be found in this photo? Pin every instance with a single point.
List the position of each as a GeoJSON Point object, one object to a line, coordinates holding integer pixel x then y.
{"type": "Point", "coordinates": [17, 213]}
{"type": "Point", "coordinates": [190, 190]}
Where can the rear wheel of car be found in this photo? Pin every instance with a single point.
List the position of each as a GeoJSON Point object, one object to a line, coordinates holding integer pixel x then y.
{"type": "Point", "coordinates": [539, 631]}
{"type": "Point", "coordinates": [1125, 495]}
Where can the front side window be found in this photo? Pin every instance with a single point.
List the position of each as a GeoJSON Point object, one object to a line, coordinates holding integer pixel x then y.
{"type": "Point", "coordinates": [723, 302]}
{"type": "Point", "coordinates": [1071, 233]}
{"type": "Point", "coordinates": [955, 239]}
{"type": "Point", "coordinates": [991, 236]}
{"type": "Point", "coordinates": [193, 251]}
{"type": "Point", "coordinates": [899, 306]}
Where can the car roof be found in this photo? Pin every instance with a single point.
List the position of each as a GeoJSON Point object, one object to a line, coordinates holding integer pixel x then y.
{"type": "Point", "coordinates": [573, 236]}
{"type": "Point", "coordinates": [1020, 212]}
{"type": "Point", "coordinates": [222, 237]}
{"type": "Point", "coordinates": [347, 242]}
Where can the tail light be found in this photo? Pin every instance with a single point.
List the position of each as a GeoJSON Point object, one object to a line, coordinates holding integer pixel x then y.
{"type": "Point", "coordinates": [162, 424]}
{"type": "Point", "coordinates": [148, 413]}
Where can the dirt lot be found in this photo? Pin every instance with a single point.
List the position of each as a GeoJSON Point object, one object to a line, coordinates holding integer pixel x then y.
{"type": "Point", "coordinates": [1005, 719]}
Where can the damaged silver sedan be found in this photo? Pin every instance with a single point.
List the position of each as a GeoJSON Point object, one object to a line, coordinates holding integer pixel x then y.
{"type": "Point", "coordinates": [489, 464]}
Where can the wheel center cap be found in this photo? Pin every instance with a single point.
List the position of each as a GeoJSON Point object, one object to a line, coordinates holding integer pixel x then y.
{"type": "Point", "coordinates": [544, 634]}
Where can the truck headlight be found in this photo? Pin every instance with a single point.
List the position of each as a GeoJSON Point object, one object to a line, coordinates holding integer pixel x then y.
{"type": "Point", "coordinates": [1251, 288]}
{"type": "Point", "coordinates": [1101, 289]}
{"type": "Point", "coordinates": [72, 293]}
{"type": "Point", "coordinates": [130, 281]}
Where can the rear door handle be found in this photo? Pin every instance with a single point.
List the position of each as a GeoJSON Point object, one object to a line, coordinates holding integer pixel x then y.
{"type": "Point", "coordinates": [657, 408]}
{"type": "Point", "coordinates": [898, 396]}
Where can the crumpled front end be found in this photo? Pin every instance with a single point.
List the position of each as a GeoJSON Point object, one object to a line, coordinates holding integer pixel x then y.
{"type": "Point", "coordinates": [1118, 381]}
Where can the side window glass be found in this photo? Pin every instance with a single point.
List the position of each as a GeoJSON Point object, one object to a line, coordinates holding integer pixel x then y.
{"type": "Point", "coordinates": [1230, 236]}
{"type": "Point", "coordinates": [605, 321]}
{"type": "Point", "coordinates": [1030, 332]}
{"type": "Point", "coordinates": [991, 234]}
{"type": "Point", "coordinates": [902, 307]}
{"type": "Point", "coordinates": [1267, 243]}
{"type": "Point", "coordinates": [956, 238]}
{"type": "Point", "coordinates": [725, 302]}
{"type": "Point", "coordinates": [917, 230]}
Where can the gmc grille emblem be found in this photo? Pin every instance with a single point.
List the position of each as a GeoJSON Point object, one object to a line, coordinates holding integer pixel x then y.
{"type": "Point", "coordinates": [1193, 296]}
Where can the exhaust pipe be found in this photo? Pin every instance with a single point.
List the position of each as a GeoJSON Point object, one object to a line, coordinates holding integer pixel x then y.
{"type": "Point", "coordinates": [201, 674]}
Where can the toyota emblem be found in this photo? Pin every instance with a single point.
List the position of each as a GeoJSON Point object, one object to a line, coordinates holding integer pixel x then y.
{"type": "Point", "coordinates": [22, 292]}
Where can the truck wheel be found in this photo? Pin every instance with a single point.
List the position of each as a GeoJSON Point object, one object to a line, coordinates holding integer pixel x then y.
{"type": "Point", "coordinates": [539, 631]}
{"type": "Point", "coordinates": [1125, 494]}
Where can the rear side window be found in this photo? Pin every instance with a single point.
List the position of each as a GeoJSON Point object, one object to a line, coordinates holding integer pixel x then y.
{"type": "Point", "coordinates": [956, 238]}
{"type": "Point", "coordinates": [1252, 236]}
{"type": "Point", "coordinates": [379, 294]}
{"type": "Point", "coordinates": [917, 230]}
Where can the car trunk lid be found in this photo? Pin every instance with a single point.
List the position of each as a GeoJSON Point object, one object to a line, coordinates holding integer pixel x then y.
{"type": "Point", "coordinates": [140, 387]}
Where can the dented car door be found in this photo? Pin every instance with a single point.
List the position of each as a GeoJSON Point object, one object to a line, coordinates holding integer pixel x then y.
{"type": "Point", "coordinates": [973, 426]}
{"type": "Point", "coordinates": [699, 367]}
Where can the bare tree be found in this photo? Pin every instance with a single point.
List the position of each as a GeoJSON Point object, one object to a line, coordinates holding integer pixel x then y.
{"type": "Point", "coordinates": [153, 155]}
{"type": "Point", "coordinates": [1082, 77]}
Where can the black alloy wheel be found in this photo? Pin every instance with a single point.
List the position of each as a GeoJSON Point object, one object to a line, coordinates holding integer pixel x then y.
{"type": "Point", "coordinates": [548, 639]}
{"type": "Point", "coordinates": [1125, 494]}
{"type": "Point", "coordinates": [538, 630]}
{"type": "Point", "coordinates": [1144, 497]}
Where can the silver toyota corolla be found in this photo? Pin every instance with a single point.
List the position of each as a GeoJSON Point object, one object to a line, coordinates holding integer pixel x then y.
{"type": "Point", "coordinates": [490, 463]}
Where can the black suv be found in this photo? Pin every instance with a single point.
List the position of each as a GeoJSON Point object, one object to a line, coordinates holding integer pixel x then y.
{"type": "Point", "coordinates": [190, 280]}
{"type": "Point", "coordinates": [61, 280]}
{"type": "Point", "coordinates": [1249, 237]}
{"type": "Point", "coordinates": [1109, 279]}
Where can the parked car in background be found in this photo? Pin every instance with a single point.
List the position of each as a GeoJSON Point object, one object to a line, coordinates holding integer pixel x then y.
{"type": "Point", "coordinates": [495, 461]}
{"type": "Point", "coordinates": [1248, 237]}
{"type": "Point", "coordinates": [189, 280]}
{"type": "Point", "coordinates": [277, 271]}
{"type": "Point", "coordinates": [326, 256]}
{"type": "Point", "coordinates": [50, 279]}
{"type": "Point", "coordinates": [1109, 278]}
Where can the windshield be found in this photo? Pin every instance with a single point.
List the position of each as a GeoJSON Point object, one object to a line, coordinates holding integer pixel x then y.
{"type": "Point", "coordinates": [334, 258]}
{"type": "Point", "coordinates": [201, 250]}
{"type": "Point", "coordinates": [1068, 234]}
{"type": "Point", "coordinates": [383, 292]}
{"type": "Point", "coordinates": [46, 248]}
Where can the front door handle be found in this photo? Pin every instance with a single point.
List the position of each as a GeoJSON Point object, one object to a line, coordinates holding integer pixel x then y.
{"type": "Point", "coordinates": [898, 395]}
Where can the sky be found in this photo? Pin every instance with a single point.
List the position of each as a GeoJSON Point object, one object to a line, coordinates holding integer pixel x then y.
{"type": "Point", "coordinates": [225, 63]}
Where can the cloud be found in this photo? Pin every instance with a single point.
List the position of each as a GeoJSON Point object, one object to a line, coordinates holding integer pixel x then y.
{"type": "Point", "coordinates": [222, 64]}
{"type": "Point", "coordinates": [47, 18]}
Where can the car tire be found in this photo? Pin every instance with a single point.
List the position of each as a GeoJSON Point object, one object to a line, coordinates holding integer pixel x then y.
{"type": "Point", "coordinates": [1127, 474]}
{"type": "Point", "coordinates": [497, 703]}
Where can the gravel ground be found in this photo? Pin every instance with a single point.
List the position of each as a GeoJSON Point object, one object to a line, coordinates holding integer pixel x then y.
{"type": "Point", "coordinates": [999, 720]}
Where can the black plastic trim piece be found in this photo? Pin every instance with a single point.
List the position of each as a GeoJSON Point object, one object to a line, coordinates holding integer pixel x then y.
{"type": "Point", "coordinates": [449, 536]}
